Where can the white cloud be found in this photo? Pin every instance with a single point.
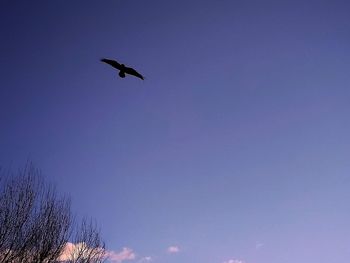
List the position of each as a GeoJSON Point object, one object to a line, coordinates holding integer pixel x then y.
{"type": "Point", "coordinates": [125, 254]}
{"type": "Point", "coordinates": [173, 249]}
{"type": "Point", "coordinates": [234, 261]}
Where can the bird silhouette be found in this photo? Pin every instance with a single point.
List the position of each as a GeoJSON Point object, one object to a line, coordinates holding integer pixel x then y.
{"type": "Point", "coordinates": [122, 68]}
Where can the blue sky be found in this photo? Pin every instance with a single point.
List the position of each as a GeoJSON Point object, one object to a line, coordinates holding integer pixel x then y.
{"type": "Point", "coordinates": [235, 147]}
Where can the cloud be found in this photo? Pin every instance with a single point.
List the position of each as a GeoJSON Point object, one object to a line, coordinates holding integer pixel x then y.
{"type": "Point", "coordinates": [145, 259]}
{"type": "Point", "coordinates": [125, 254]}
{"type": "Point", "coordinates": [234, 261]}
{"type": "Point", "coordinates": [173, 249]}
{"type": "Point", "coordinates": [67, 252]}
{"type": "Point", "coordinates": [72, 251]}
{"type": "Point", "coordinates": [258, 245]}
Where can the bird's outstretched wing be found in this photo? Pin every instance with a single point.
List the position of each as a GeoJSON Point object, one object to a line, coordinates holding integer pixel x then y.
{"type": "Point", "coordinates": [113, 63]}
{"type": "Point", "coordinates": [133, 72]}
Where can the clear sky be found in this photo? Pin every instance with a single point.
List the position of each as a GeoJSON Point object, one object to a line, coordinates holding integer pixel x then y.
{"type": "Point", "coordinates": [236, 147]}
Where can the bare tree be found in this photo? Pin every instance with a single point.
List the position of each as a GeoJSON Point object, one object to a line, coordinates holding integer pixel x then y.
{"type": "Point", "coordinates": [36, 224]}
{"type": "Point", "coordinates": [88, 246]}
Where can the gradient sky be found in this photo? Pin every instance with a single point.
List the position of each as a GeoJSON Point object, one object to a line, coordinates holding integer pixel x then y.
{"type": "Point", "coordinates": [235, 147]}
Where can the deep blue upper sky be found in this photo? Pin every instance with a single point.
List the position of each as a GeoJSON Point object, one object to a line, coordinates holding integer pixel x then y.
{"type": "Point", "coordinates": [235, 147]}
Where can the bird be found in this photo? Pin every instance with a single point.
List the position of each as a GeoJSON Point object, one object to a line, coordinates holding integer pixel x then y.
{"type": "Point", "coordinates": [122, 68]}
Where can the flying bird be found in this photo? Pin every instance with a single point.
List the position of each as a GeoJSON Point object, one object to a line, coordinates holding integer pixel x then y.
{"type": "Point", "coordinates": [122, 68]}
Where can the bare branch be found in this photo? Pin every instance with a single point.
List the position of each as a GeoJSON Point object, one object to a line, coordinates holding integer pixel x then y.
{"type": "Point", "coordinates": [36, 224]}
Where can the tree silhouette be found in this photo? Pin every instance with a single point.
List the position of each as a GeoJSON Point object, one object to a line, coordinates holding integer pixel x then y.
{"type": "Point", "coordinates": [36, 223]}
{"type": "Point", "coordinates": [87, 246]}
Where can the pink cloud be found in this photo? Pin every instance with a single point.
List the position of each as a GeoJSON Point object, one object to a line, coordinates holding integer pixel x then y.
{"type": "Point", "coordinates": [67, 252]}
{"type": "Point", "coordinates": [234, 261]}
{"type": "Point", "coordinates": [72, 251]}
{"type": "Point", "coordinates": [145, 259]}
{"type": "Point", "coordinates": [125, 254]}
{"type": "Point", "coordinates": [173, 249]}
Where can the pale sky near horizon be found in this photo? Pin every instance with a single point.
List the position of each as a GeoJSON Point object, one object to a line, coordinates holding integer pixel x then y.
{"type": "Point", "coordinates": [236, 147]}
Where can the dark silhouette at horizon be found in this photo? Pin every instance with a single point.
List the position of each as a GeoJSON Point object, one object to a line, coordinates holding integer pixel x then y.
{"type": "Point", "coordinates": [122, 68]}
